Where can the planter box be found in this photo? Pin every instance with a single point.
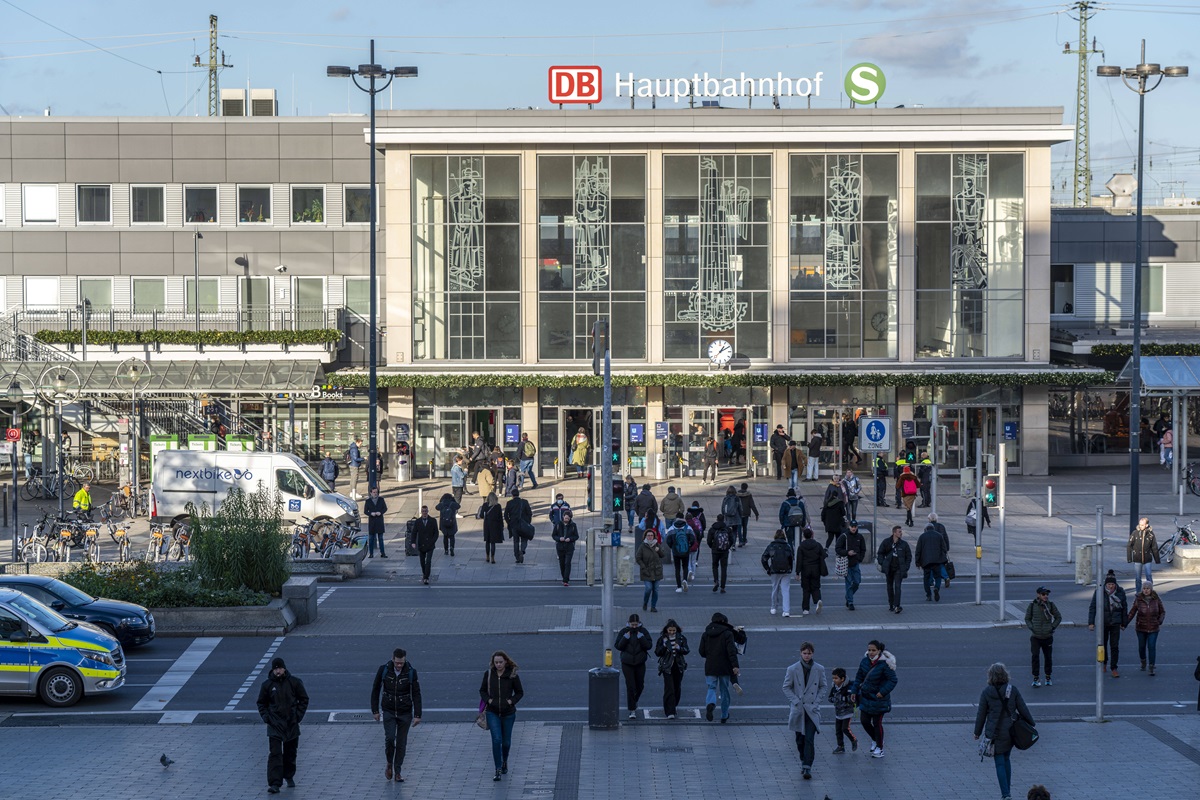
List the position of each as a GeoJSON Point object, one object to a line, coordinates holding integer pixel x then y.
{"type": "Point", "coordinates": [273, 619]}
{"type": "Point", "coordinates": [1187, 558]}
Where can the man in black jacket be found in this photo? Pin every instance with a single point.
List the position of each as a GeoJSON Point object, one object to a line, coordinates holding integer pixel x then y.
{"type": "Point", "coordinates": [516, 512]}
{"type": "Point", "coordinates": [634, 642]}
{"type": "Point", "coordinates": [718, 648]}
{"type": "Point", "coordinates": [426, 531]}
{"type": "Point", "coordinates": [282, 702]}
{"type": "Point", "coordinates": [778, 443]}
{"type": "Point", "coordinates": [895, 556]}
{"type": "Point", "coordinates": [932, 553]}
{"type": "Point", "coordinates": [852, 546]}
{"type": "Point", "coordinates": [399, 688]}
{"type": "Point", "coordinates": [1114, 617]}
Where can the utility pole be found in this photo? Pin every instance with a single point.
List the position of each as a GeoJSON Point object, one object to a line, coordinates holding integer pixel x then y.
{"type": "Point", "coordinates": [1082, 186]}
{"type": "Point", "coordinates": [214, 67]}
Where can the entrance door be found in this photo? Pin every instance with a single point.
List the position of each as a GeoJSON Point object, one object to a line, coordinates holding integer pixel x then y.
{"type": "Point", "coordinates": [962, 427]}
{"type": "Point", "coordinates": [451, 434]}
{"type": "Point", "coordinates": [590, 420]}
{"type": "Point", "coordinates": [732, 428]}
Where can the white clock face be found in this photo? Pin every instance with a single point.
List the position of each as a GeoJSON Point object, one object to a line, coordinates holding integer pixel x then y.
{"type": "Point", "coordinates": [720, 352]}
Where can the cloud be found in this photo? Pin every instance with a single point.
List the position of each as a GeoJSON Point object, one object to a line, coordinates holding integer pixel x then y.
{"type": "Point", "coordinates": [340, 14]}
{"type": "Point", "coordinates": [944, 52]}
{"type": "Point", "coordinates": [727, 3]}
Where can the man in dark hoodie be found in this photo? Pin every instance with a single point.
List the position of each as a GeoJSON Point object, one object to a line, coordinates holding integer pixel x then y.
{"type": "Point", "coordinates": [282, 702]}
{"type": "Point", "coordinates": [399, 688]}
{"type": "Point", "coordinates": [747, 501]}
{"type": "Point", "coordinates": [516, 512]}
{"type": "Point", "coordinates": [718, 648]}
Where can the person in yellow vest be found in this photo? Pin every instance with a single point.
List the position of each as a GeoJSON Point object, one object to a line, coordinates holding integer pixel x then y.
{"type": "Point", "coordinates": [83, 501]}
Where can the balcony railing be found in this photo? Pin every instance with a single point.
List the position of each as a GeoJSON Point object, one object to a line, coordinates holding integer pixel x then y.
{"type": "Point", "coordinates": [31, 319]}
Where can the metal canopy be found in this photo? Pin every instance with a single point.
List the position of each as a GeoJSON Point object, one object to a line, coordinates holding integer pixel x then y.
{"type": "Point", "coordinates": [185, 377]}
{"type": "Point", "coordinates": [1166, 375]}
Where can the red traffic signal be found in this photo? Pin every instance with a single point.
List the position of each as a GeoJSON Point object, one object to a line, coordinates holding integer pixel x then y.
{"type": "Point", "coordinates": [989, 483]}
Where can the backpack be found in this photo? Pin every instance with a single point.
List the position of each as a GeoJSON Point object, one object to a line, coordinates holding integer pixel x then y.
{"type": "Point", "coordinates": [721, 540]}
{"type": "Point", "coordinates": [681, 541]}
{"type": "Point", "coordinates": [796, 515]}
{"type": "Point", "coordinates": [694, 523]}
{"type": "Point", "coordinates": [778, 561]}
{"type": "Point", "coordinates": [528, 450]}
{"type": "Point", "coordinates": [731, 507]}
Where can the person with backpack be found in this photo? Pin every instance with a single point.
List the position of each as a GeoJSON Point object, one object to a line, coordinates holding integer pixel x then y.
{"type": "Point", "coordinates": [909, 487]}
{"type": "Point", "coordinates": [794, 464]}
{"type": "Point", "coordinates": [852, 546]}
{"type": "Point", "coordinates": [720, 540]}
{"type": "Point", "coordinates": [999, 703]}
{"type": "Point", "coordinates": [634, 642]}
{"type": "Point", "coordinates": [447, 509]}
{"type": "Point", "coordinates": [630, 495]}
{"type": "Point", "coordinates": [519, 517]}
{"type": "Point", "coordinates": [329, 471]}
{"type": "Point", "coordinates": [881, 471]}
{"type": "Point", "coordinates": [711, 455]}
{"type": "Point", "coordinates": [973, 511]}
{"type": "Point", "coordinates": [396, 694]}
{"type": "Point", "coordinates": [694, 517]}
{"type": "Point", "coordinates": [565, 535]}
{"type": "Point", "coordinates": [810, 565]}
{"type": "Point", "coordinates": [793, 516]}
{"type": "Point", "coordinates": [778, 560]}
{"type": "Point", "coordinates": [526, 451]}
{"type": "Point", "coordinates": [747, 508]}
{"type": "Point", "coordinates": [731, 509]}
{"type": "Point", "coordinates": [680, 539]}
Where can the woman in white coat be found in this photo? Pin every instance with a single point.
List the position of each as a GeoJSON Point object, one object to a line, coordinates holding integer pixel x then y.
{"type": "Point", "coordinates": [805, 685]}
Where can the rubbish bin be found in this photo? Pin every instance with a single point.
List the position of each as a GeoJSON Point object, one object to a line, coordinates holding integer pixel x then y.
{"type": "Point", "coordinates": [604, 696]}
{"type": "Point", "coordinates": [403, 469]}
{"type": "Point", "coordinates": [1083, 564]}
{"type": "Point", "coordinates": [660, 467]}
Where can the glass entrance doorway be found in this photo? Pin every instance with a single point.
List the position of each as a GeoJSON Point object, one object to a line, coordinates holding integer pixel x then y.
{"type": "Point", "coordinates": [580, 439]}
{"type": "Point", "coordinates": [732, 428]}
{"type": "Point", "coordinates": [447, 432]}
{"type": "Point", "coordinates": [962, 426]}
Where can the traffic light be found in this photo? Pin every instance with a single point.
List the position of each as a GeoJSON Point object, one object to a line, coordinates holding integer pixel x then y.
{"type": "Point", "coordinates": [991, 490]}
{"type": "Point", "coordinates": [618, 490]}
{"type": "Point", "coordinates": [599, 345]}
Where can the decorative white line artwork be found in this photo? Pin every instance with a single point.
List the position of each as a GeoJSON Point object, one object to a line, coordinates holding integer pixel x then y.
{"type": "Point", "coordinates": [593, 195]}
{"type": "Point", "coordinates": [465, 254]}
{"type": "Point", "coordinates": [968, 247]}
{"type": "Point", "coordinates": [724, 209]}
{"type": "Point", "coordinates": [843, 234]}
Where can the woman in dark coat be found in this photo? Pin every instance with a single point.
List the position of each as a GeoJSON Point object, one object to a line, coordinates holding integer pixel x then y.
{"type": "Point", "coordinates": [493, 527]}
{"type": "Point", "coordinates": [500, 692]}
{"type": "Point", "coordinates": [447, 510]}
{"type": "Point", "coordinates": [671, 648]}
{"type": "Point", "coordinates": [565, 535]}
{"type": "Point", "coordinates": [872, 691]}
{"type": "Point", "coordinates": [833, 510]}
{"type": "Point", "coordinates": [998, 704]}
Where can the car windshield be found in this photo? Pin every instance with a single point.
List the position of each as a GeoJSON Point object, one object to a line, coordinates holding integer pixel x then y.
{"type": "Point", "coordinates": [315, 479]}
{"type": "Point", "coordinates": [71, 595]}
{"type": "Point", "coordinates": [39, 614]}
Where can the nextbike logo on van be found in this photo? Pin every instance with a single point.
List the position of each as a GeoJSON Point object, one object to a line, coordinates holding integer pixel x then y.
{"type": "Point", "coordinates": [214, 473]}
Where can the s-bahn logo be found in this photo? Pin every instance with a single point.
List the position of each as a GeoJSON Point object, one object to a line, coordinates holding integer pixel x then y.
{"type": "Point", "coordinates": [865, 83]}
{"type": "Point", "coordinates": [575, 85]}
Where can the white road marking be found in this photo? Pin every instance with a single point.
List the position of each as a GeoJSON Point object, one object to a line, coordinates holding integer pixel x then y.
{"type": "Point", "coordinates": [180, 673]}
{"type": "Point", "coordinates": [326, 594]}
{"type": "Point", "coordinates": [177, 718]}
{"type": "Point", "coordinates": [254, 673]}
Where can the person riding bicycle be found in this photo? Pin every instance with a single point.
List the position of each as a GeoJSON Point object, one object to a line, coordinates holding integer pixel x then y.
{"type": "Point", "coordinates": [83, 501]}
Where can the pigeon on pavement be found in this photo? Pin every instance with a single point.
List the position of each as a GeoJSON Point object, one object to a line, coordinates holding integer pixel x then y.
{"type": "Point", "coordinates": [166, 762]}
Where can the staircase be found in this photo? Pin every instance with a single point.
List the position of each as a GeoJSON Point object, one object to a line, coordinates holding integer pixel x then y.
{"type": "Point", "coordinates": [18, 346]}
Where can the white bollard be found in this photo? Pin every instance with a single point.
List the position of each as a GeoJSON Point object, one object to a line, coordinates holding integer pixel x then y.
{"type": "Point", "coordinates": [420, 500]}
{"type": "Point", "coordinates": [1181, 499]}
{"type": "Point", "coordinates": [1049, 501]}
{"type": "Point", "coordinates": [1070, 549]}
{"type": "Point", "coordinates": [1114, 488]}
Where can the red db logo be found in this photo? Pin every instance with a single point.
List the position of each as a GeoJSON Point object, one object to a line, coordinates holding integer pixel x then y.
{"type": "Point", "coordinates": [575, 85]}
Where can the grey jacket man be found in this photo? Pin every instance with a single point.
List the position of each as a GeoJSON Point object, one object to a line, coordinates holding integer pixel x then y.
{"type": "Point", "coordinates": [804, 697]}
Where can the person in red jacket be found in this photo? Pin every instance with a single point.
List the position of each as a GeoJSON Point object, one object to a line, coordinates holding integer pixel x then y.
{"type": "Point", "coordinates": [909, 487]}
{"type": "Point", "coordinates": [1147, 607]}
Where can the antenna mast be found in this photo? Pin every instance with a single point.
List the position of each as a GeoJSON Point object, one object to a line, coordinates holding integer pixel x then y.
{"type": "Point", "coordinates": [1083, 162]}
{"type": "Point", "coordinates": [214, 67]}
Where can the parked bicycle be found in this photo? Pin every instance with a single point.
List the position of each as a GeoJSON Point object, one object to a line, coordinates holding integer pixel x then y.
{"type": "Point", "coordinates": [1184, 534]}
{"type": "Point", "coordinates": [302, 539]}
{"type": "Point", "coordinates": [1192, 479]}
{"type": "Point", "coordinates": [46, 486]}
{"type": "Point", "coordinates": [127, 502]}
{"type": "Point", "coordinates": [154, 548]}
{"type": "Point", "coordinates": [91, 541]}
{"type": "Point", "coordinates": [36, 548]}
{"type": "Point", "coordinates": [119, 534]}
{"type": "Point", "coordinates": [179, 550]}
{"type": "Point", "coordinates": [341, 537]}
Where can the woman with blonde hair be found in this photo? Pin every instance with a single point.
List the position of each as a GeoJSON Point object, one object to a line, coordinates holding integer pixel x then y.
{"type": "Point", "coordinates": [499, 694]}
{"type": "Point", "coordinates": [579, 451]}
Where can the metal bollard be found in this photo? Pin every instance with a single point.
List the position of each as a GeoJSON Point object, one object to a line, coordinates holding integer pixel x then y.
{"type": "Point", "coordinates": [1181, 499]}
{"type": "Point", "coordinates": [1114, 499]}
{"type": "Point", "coordinates": [1049, 501]}
{"type": "Point", "coordinates": [1070, 549]}
{"type": "Point", "coordinates": [5, 505]}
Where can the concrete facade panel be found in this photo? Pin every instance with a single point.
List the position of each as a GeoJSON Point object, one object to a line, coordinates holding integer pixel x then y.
{"type": "Point", "coordinates": [85, 263]}
{"type": "Point", "coordinates": [147, 170]}
{"type": "Point", "coordinates": [306, 170]}
{"type": "Point", "coordinates": [92, 170]}
{"type": "Point", "coordinates": [252, 170]}
{"type": "Point", "coordinates": [39, 170]}
{"type": "Point", "coordinates": [303, 147]}
{"type": "Point", "coordinates": [93, 145]}
{"type": "Point", "coordinates": [39, 241]}
{"type": "Point", "coordinates": [244, 147]}
{"type": "Point", "coordinates": [89, 241]}
{"type": "Point", "coordinates": [137, 146]}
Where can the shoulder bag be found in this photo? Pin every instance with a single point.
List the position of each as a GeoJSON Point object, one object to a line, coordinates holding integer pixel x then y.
{"type": "Point", "coordinates": [1023, 735]}
{"type": "Point", "coordinates": [481, 717]}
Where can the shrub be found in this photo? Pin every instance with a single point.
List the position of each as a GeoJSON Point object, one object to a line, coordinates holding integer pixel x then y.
{"type": "Point", "coordinates": [156, 586]}
{"type": "Point", "coordinates": [243, 544]}
{"type": "Point", "coordinates": [102, 338]}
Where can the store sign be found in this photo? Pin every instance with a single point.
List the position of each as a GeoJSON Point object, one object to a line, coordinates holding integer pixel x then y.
{"type": "Point", "coordinates": [575, 84]}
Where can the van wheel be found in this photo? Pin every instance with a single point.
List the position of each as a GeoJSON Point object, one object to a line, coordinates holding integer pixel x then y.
{"type": "Point", "coordinates": [60, 687]}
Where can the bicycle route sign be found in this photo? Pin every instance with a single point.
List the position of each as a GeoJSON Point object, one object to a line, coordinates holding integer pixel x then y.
{"type": "Point", "coordinates": [875, 434]}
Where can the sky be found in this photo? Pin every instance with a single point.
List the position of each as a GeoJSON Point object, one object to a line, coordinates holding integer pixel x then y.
{"type": "Point", "coordinates": [136, 59]}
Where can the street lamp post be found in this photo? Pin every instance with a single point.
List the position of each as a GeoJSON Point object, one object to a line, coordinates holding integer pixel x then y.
{"type": "Point", "coordinates": [57, 385]}
{"type": "Point", "coordinates": [196, 237]}
{"type": "Point", "coordinates": [133, 370]}
{"type": "Point", "coordinates": [1138, 79]}
{"type": "Point", "coordinates": [244, 263]}
{"type": "Point", "coordinates": [15, 395]}
{"type": "Point", "coordinates": [372, 72]}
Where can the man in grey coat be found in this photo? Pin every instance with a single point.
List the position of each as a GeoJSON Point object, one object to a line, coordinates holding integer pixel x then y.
{"type": "Point", "coordinates": [805, 686]}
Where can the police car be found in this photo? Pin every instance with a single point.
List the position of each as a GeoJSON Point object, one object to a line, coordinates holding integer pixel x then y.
{"type": "Point", "coordinates": [42, 653]}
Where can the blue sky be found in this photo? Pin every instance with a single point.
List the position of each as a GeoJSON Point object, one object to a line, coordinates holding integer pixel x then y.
{"type": "Point", "coordinates": [135, 58]}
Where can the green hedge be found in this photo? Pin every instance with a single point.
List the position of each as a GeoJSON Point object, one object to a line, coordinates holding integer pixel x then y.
{"type": "Point", "coordinates": [1126, 350]}
{"type": "Point", "coordinates": [324, 336]}
{"type": "Point", "coordinates": [156, 586]}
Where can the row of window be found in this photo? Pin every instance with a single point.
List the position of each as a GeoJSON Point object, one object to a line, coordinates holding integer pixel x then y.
{"type": "Point", "coordinates": [148, 204]}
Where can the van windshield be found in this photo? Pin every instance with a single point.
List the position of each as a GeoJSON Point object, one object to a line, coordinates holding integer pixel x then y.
{"type": "Point", "coordinates": [41, 616]}
{"type": "Point", "coordinates": [315, 479]}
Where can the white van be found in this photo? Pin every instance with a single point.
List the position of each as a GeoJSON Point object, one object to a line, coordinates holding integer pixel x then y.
{"type": "Point", "coordinates": [205, 478]}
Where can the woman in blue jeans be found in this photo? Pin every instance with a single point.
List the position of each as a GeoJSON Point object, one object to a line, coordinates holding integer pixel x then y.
{"type": "Point", "coordinates": [1147, 608]}
{"type": "Point", "coordinates": [649, 558]}
{"type": "Point", "coordinates": [998, 704]}
{"type": "Point", "coordinates": [501, 691]}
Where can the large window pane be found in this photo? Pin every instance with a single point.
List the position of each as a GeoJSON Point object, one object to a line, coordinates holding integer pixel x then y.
{"type": "Point", "coordinates": [40, 202]}
{"type": "Point", "coordinates": [308, 204]}
{"type": "Point", "coordinates": [95, 293]}
{"type": "Point", "coordinates": [147, 204]}
{"type": "Point", "coordinates": [200, 204]}
{"type": "Point", "coordinates": [94, 203]}
{"type": "Point", "coordinates": [358, 204]}
{"type": "Point", "coordinates": [149, 294]}
{"type": "Point", "coordinates": [254, 204]}
{"type": "Point", "coordinates": [358, 296]}
{"type": "Point", "coordinates": [208, 294]}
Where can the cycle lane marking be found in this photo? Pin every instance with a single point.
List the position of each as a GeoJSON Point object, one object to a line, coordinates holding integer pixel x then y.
{"type": "Point", "coordinates": [254, 673]}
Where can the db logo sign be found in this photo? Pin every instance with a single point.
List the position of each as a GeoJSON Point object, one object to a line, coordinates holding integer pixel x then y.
{"type": "Point", "coordinates": [575, 85]}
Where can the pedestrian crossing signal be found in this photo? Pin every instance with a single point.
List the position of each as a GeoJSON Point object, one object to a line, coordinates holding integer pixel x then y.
{"type": "Point", "coordinates": [991, 490]}
{"type": "Point", "coordinates": [618, 495]}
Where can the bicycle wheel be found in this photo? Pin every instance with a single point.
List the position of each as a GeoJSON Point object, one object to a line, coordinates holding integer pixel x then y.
{"type": "Point", "coordinates": [123, 551]}
{"type": "Point", "coordinates": [31, 490]}
{"type": "Point", "coordinates": [91, 552]}
{"type": "Point", "coordinates": [1193, 485]}
{"type": "Point", "coordinates": [82, 473]}
{"type": "Point", "coordinates": [34, 553]}
{"type": "Point", "coordinates": [116, 507]}
{"type": "Point", "coordinates": [1166, 551]}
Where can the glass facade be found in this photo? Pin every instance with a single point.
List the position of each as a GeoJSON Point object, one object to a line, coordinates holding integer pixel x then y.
{"type": "Point", "coordinates": [466, 257]}
{"type": "Point", "coordinates": [716, 254]}
{"type": "Point", "coordinates": [970, 274]}
{"type": "Point", "coordinates": [842, 256]}
{"type": "Point", "coordinates": [591, 254]}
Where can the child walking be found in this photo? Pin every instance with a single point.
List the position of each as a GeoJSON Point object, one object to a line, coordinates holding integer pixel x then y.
{"type": "Point", "coordinates": [843, 711]}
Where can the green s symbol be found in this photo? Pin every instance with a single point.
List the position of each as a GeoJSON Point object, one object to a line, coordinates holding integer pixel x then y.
{"type": "Point", "coordinates": [865, 83]}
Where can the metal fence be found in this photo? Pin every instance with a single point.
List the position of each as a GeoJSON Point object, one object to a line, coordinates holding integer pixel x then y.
{"type": "Point", "coordinates": [300, 318]}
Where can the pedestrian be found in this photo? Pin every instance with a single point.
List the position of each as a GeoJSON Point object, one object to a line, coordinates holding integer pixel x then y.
{"type": "Point", "coordinates": [833, 510]}
{"type": "Point", "coordinates": [1042, 618]}
{"type": "Point", "coordinates": [974, 510]}
{"type": "Point", "coordinates": [458, 479]}
{"type": "Point", "coordinates": [634, 643]}
{"type": "Point", "coordinates": [852, 546]}
{"type": "Point", "coordinates": [630, 496]}
{"type": "Point", "coordinates": [881, 471]}
{"type": "Point", "coordinates": [477, 458]}
{"type": "Point", "coordinates": [500, 692]}
{"type": "Point", "coordinates": [793, 515]}
{"type": "Point", "coordinates": [426, 531]}
{"type": "Point", "coordinates": [810, 565]}
{"type": "Point", "coordinates": [447, 509]}
{"type": "Point", "coordinates": [493, 526]}
{"type": "Point", "coordinates": [645, 503]}
{"type": "Point", "coordinates": [1148, 609]}
{"type": "Point", "coordinates": [1114, 618]}
{"type": "Point", "coordinates": [519, 517]}
{"type": "Point", "coordinates": [711, 456]}
{"type": "Point", "coordinates": [579, 451]}
{"type": "Point", "coordinates": [746, 499]}
{"type": "Point", "coordinates": [1166, 449]}
{"type": "Point", "coordinates": [778, 443]}
{"type": "Point", "coordinates": [931, 560]}
{"type": "Point", "coordinates": [396, 700]}
{"type": "Point", "coordinates": [999, 704]}
{"type": "Point", "coordinates": [899, 465]}
{"type": "Point", "coordinates": [813, 465]}
{"type": "Point", "coordinates": [485, 477]}
{"type": "Point", "coordinates": [671, 648]}
{"type": "Point", "coordinates": [719, 649]}
{"type": "Point", "coordinates": [282, 702]}
{"type": "Point", "coordinates": [805, 685]}
{"type": "Point", "coordinates": [649, 558]}
{"type": "Point", "coordinates": [925, 476]}
{"type": "Point", "coordinates": [355, 461]}
{"type": "Point", "coordinates": [375, 507]}
{"type": "Point", "coordinates": [852, 491]}
{"type": "Point", "coordinates": [679, 540]}
{"type": "Point", "coordinates": [720, 540]}
{"type": "Point", "coordinates": [731, 507]}
{"type": "Point", "coordinates": [778, 560]}
{"type": "Point", "coordinates": [910, 486]}
{"type": "Point", "coordinates": [557, 508]}
{"type": "Point", "coordinates": [329, 471]}
{"type": "Point", "coordinates": [696, 520]}
{"type": "Point", "coordinates": [795, 462]}
{"type": "Point", "coordinates": [872, 692]}
{"type": "Point", "coordinates": [894, 557]}
{"type": "Point", "coordinates": [565, 535]}
{"type": "Point", "coordinates": [671, 505]}
{"type": "Point", "coordinates": [940, 528]}
{"type": "Point", "coordinates": [512, 478]}
{"type": "Point", "coordinates": [526, 451]}
{"type": "Point", "coordinates": [376, 459]}
{"type": "Point", "coordinates": [843, 711]}
{"type": "Point", "coordinates": [1142, 550]}
{"type": "Point", "coordinates": [849, 434]}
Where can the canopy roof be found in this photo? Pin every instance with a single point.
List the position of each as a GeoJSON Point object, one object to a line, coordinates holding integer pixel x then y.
{"type": "Point", "coordinates": [1166, 375]}
{"type": "Point", "coordinates": [172, 377]}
